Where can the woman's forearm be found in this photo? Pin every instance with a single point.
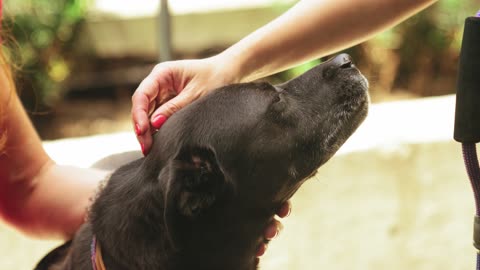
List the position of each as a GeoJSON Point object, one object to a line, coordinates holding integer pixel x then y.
{"type": "Point", "coordinates": [312, 29]}
{"type": "Point", "coordinates": [37, 196]}
{"type": "Point", "coordinates": [57, 203]}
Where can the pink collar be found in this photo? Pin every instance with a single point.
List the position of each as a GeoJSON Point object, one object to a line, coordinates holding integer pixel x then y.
{"type": "Point", "coordinates": [96, 254]}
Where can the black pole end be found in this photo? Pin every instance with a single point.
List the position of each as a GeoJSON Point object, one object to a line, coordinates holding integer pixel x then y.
{"type": "Point", "coordinates": [467, 111]}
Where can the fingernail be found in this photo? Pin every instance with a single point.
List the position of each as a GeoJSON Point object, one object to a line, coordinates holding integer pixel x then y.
{"type": "Point", "coordinates": [277, 232]}
{"type": "Point", "coordinates": [137, 129]}
{"type": "Point", "coordinates": [143, 149]}
{"type": "Point", "coordinates": [159, 121]}
{"type": "Point", "coordinates": [261, 250]}
{"type": "Point", "coordinates": [271, 233]}
{"type": "Point", "coordinates": [289, 211]}
{"type": "Point", "coordinates": [284, 210]}
{"type": "Point", "coordinates": [257, 261]}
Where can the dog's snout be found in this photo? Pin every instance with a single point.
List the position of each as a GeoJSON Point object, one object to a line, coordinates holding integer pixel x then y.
{"type": "Point", "coordinates": [347, 64]}
{"type": "Point", "coordinates": [343, 61]}
{"type": "Point", "coordinates": [338, 63]}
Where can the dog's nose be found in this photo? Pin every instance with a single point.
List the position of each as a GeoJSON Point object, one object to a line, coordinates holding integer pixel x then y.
{"type": "Point", "coordinates": [343, 61]}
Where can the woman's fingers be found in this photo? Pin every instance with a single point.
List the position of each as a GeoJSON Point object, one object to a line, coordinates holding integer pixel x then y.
{"type": "Point", "coordinates": [273, 229]}
{"type": "Point", "coordinates": [170, 86]}
{"type": "Point", "coordinates": [284, 210]}
{"type": "Point", "coordinates": [157, 85]}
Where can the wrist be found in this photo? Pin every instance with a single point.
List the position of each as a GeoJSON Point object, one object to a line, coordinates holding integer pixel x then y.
{"type": "Point", "coordinates": [234, 66]}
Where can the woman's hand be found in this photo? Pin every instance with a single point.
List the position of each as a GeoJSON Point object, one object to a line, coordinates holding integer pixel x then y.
{"type": "Point", "coordinates": [170, 87]}
{"type": "Point", "coordinates": [274, 227]}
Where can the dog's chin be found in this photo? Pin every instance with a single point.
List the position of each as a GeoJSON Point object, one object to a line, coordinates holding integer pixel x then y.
{"type": "Point", "coordinates": [349, 110]}
{"type": "Point", "coordinates": [364, 83]}
{"type": "Point", "coordinates": [361, 83]}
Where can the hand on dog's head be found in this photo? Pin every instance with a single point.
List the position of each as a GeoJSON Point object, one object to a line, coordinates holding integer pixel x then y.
{"type": "Point", "coordinates": [220, 168]}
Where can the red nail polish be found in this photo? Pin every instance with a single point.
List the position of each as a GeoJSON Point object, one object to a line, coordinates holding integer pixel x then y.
{"type": "Point", "coordinates": [159, 121]}
{"type": "Point", "coordinates": [289, 212]}
{"type": "Point", "coordinates": [261, 250]}
{"type": "Point", "coordinates": [137, 129]}
{"type": "Point", "coordinates": [271, 232]}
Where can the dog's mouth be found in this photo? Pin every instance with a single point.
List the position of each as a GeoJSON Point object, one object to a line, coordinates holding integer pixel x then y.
{"type": "Point", "coordinates": [344, 65]}
{"type": "Point", "coordinates": [355, 75]}
{"type": "Point", "coordinates": [351, 86]}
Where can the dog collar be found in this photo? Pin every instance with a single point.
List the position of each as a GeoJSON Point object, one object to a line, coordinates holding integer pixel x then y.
{"type": "Point", "coordinates": [96, 255]}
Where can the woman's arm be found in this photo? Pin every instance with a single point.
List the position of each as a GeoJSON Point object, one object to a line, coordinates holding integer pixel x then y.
{"type": "Point", "coordinates": [312, 29]}
{"type": "Point", "coordinates": [37, 196]}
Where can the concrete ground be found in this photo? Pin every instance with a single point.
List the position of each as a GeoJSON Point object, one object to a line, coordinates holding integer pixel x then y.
{"type": "Point", "coordinates": [396, 196]}
{"type": "Point", "coordinates": [405, 208]}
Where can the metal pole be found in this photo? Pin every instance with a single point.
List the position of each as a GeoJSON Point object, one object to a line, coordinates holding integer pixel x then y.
{"type": "Point", "coordinates": [164, 32]}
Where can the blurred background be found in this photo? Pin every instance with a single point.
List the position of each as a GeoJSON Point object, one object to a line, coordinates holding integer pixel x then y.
{"type": "Point", "coordinates": [396, 195]}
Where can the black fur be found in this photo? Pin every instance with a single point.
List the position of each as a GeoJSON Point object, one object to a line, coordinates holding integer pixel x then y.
{"type": "Point", "coordinates": [218, 171]}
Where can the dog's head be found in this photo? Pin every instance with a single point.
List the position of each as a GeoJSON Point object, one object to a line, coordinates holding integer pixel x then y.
{"type": "Point", "coordinates": [246, 148]}
{"type": "Point", "coordinates": [226, 162]}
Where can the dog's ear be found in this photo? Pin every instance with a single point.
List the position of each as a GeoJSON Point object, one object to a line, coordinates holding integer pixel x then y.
{"type": "Point", "coordinates": [201, 179]}
{"type": "Point", "coordinates": [196, 182]}
{"type": "Point", "coordinates": [195, 185]}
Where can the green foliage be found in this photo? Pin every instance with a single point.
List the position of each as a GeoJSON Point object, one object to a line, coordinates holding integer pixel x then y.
{"type": "Point", "coordinates": [299, 70]}
{"type": "Point", "coordinates": [418, 56]}
{"type": "Point", "coordinates": [42, 34]}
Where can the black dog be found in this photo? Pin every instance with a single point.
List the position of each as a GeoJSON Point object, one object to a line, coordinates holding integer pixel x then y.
{"type": "Point", "coordinates": [217, 172]}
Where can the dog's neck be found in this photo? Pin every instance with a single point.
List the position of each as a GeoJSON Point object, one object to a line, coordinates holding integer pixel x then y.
{"type": "Point", "coordinates": [131, 230]}
{"type": "Point", "coordinates": [232, 254]}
